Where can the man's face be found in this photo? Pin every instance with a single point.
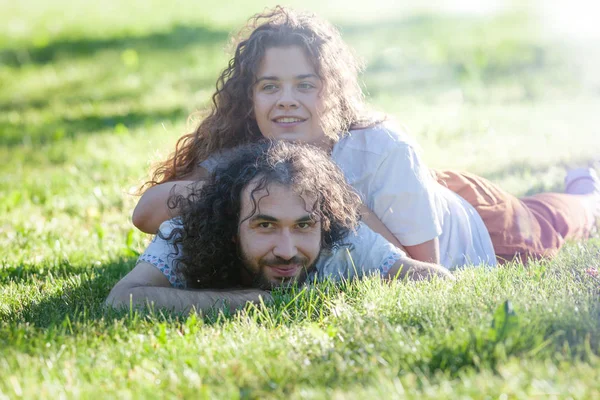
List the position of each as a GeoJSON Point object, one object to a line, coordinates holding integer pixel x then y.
{"type": "Point", "coordinates": [279, 242]}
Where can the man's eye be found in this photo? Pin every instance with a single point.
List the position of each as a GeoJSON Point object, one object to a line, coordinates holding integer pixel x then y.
{"type": "Point", "coordinates": [265, 225]}
{"type": "Point", "coordinates": [305, 225]}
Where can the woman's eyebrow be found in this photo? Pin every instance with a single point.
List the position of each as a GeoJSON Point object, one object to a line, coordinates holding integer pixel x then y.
{"type": "Point", "coordinates": [267, 78]}
{"type": "Point", "coordinates": [305, 76]}
{"type": "Point", "coordinates": [276, 78]}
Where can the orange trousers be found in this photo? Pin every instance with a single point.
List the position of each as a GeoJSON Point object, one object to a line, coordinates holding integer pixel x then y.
{"type": "Point", "coordinates": [522, 228]}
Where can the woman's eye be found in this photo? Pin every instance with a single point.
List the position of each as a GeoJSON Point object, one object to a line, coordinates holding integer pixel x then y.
{"type": "Point", "coordinates": [269, 87]}
{"type": "Point", "coordinates": [306, 85]}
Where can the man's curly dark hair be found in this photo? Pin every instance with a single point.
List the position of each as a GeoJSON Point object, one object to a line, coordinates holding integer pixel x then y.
{"type": "Point", "coordinates": [210, 214]}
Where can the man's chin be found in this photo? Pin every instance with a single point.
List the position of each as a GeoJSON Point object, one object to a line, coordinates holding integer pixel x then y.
{"type": "Point", "coordinates": [269, 278]}
{"type": "Point", "coordinates": [264, 282]}
{"type": "Point", "coordinates": [283, 282]}
{"type": "Point", "coordinates": [286, 281]}
{"type": "Point", "coordinates": [274, 282]}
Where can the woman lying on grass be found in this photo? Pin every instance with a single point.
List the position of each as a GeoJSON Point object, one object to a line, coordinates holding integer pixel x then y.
{"type": "Point", "coordinates": [292, 77]}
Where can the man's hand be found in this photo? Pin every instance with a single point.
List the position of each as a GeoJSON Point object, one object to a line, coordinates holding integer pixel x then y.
{"type": "Point", "coordinates": [146, 286]}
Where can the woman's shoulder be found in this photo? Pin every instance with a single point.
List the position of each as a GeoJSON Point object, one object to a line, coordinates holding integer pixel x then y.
{"type": "Point", "coordinates": [362, 152]}
{"type": "Point", "coordinates": [381, 139]}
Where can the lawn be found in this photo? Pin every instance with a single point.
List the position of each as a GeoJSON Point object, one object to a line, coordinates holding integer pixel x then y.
{"type": "Point", "coordinates": [91, 94]}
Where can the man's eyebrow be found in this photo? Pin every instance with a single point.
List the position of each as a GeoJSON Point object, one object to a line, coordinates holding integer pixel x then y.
{"type": "Point", "coordinates": [306, 218]}
{"type": "Point", "coordinates": [276, 78]}
{"type": "Point", "coordinates": [264, 217]}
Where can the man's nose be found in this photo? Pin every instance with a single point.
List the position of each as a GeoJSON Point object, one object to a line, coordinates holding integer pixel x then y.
{"type": "Point", "coordinates": [285, 247]}
{"type": "Point", "coordinates": [287, 99]}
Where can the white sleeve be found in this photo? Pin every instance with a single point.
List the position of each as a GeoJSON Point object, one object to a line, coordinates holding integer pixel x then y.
{"type": "Point", "coordinates": [162, 253]}
{"type": "Point", "coordinates": [402, 195]}
{"type": "Point", "coordinates": [370, 251]}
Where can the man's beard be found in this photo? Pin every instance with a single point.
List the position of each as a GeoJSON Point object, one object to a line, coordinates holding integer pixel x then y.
{"type": "Point", "coordinates": [259, 279]}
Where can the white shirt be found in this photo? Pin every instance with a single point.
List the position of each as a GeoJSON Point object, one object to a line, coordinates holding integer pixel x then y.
{"type": "Point", "coordinates": [383, 165]}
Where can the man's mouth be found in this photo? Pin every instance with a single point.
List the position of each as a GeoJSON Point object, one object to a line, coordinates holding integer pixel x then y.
{"type": "Point", "coordinates": [285, 271]}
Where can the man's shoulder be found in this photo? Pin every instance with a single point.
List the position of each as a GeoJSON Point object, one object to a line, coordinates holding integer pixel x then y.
{"type": "Point", "coordinates": [169, 229]}
{"type": "Point", "coordinates": [364, 239]}
{"type": "Point", "coordinates": [360, 253]}
{"type": "Point", "coordinates": [163, 252]}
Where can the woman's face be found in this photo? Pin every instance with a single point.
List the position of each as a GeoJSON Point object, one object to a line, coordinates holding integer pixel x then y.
{"type": "Point", "coordinates": [287, 97]}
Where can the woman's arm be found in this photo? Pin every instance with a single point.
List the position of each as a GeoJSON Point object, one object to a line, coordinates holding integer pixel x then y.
{"type": "Point", "coordinates": [152, 208]}
{"type": "Point", "coordinates": [397, 187]}
{"type": "Point", "coordinates": [428, 251]}
{"type": "Point", "coordinates": [369, 218]}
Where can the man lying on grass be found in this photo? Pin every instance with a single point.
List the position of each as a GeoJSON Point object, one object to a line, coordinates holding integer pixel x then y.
{"type": "Point", "coordinates": [275, 215]}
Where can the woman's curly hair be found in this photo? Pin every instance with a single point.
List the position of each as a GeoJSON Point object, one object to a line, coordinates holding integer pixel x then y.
{"type": "Point", "coordinates": [230, 121]}
{"type": "Point", "coordinates": [210, 215]}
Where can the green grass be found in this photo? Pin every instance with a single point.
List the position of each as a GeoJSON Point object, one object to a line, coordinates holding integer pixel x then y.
{"type": "Point", "coordinates": [90, 96]}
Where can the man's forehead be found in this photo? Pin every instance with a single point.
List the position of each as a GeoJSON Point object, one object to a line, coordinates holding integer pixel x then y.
{"type": "Point", "coordinates": [275, 199]}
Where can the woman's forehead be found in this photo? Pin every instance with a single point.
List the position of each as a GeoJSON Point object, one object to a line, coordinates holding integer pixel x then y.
{"type": "Point", "coordinates": [285, 62]}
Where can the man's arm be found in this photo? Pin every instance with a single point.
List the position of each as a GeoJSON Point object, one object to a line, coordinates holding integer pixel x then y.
{"type": "Point", "coordinates": [146, 286]}
{"type": "Point", "coordinates": [407, 268]}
